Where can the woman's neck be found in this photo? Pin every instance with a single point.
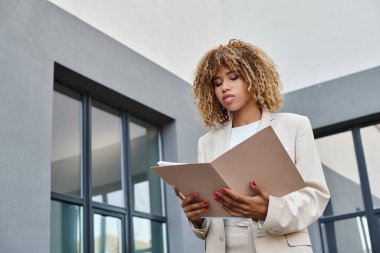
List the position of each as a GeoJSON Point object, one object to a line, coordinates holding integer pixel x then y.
{"type": "Point", "coordinates": [248, 115]}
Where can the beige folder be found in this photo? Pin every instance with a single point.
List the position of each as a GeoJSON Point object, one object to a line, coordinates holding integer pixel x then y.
{"type": "Point", "coordinates": [261, 157]}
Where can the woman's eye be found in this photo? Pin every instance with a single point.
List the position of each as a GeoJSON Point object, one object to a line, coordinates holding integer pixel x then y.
{"type": "Point", "coordinates": [234, 77]}
{"type": "Point", "coordinates": [218, 84]}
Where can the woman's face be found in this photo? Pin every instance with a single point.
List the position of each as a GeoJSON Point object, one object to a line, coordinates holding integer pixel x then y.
{"type": "Point", "coordinates": [231, 91]}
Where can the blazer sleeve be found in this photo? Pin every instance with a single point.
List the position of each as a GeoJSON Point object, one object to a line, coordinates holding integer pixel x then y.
{"type": "Point", "coordinates": [202, 232]}
{"type": "Point", "coordinates": [297, 210]}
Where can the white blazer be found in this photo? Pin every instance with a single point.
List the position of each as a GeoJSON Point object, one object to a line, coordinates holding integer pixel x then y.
{"type": "Point", "coordinates": [285, 227]}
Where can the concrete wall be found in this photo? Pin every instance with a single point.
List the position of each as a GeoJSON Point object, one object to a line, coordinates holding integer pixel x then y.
{"type": "Point", "coordinates": [340, 100]}
{"type": "Point", "coordinates": [34, 35]}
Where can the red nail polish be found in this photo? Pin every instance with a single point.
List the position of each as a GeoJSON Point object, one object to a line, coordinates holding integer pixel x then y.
{"type": "Point", "coordinates": [205, 208]}
{"type": "Point", "coordinates": [217, 198]}
{"type": "Point", "coordinates": [216, 194]}
{"type": "Point", "coordinates": [253, 183]}
{"type": "Point", "coordinates": [205, 203]}
{"type": "Point", "coordinates": [194, 195]}
{"type": "Point", "coordinates": [224, 189]}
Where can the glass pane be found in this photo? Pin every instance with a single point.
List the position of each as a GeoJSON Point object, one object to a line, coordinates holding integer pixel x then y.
{"type": "Point", "coordinates": [66, 228]}
{"type": "Point", "coordinates": [107, 234]}
{"type": "Point", "coordinates": [338, 159]}
{"type": "Point", "coordinates": [107, 186]}
{"type": "Point", "coordinates": [65, 161]}
{"type": "Point", "coordinates": [371, 145]}
{"type": "Point", "coordinates": [340, 240]}
{"type": "Point", "coordinates": [147, 191]}
{"type": "Point", "coordinates": [149, 236]}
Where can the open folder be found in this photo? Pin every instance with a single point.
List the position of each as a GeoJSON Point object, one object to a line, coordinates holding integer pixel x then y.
{"type": "Point", "coordinates": [261, 157]}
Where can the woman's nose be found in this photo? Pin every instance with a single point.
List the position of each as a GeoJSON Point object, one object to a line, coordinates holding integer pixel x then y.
{"type": "Point", "coordinates": [226, 85]}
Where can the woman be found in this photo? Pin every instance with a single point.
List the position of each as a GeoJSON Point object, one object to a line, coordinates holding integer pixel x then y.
{"type": "Point", "coordinates": [237, 90]}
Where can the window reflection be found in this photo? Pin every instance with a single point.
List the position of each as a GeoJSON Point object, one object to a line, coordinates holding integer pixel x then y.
{"type": "Point", "coordinates": [141, 203]}
{"type": "Point", "coordinates": [338, 159]}
{"type": "Point", "coordinates": [371, 145]}
{"type": "Point", "coordinates": [339, 240]}
{"type": "Point", "coordinates": [66, 231]}
{"type": "Point", "coordinates": [65, 162]}
{"type": "Point", "coordinates": [144, 154]}
{"type": "Point", "coordinates": [107, 184]}
{"type": "Point", "coordinates": [149, 236]}
{"type": "Point", "coordinates": [106, 155]}
{"type": "Point", "coordinates": [107, 234]}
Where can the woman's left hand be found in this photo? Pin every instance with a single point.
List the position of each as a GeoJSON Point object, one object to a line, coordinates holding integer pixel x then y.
{"type": "Point", "coordinates": [255, 207]}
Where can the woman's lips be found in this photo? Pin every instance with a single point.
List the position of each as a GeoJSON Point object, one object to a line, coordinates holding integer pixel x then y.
{"type": "Point", "coordinates": [228, 98]}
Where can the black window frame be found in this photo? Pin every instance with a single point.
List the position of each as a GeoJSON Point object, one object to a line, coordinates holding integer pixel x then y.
{"type": "Point", "coordinates": [68, 83]}
{"type": "Point", "coordinates": [371, 213]}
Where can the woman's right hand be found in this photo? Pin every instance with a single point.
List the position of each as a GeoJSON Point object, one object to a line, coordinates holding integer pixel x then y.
{"type": "Point", "coordinates": [192, 208]}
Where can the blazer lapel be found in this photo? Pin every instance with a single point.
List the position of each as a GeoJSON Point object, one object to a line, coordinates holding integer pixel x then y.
{"type": "Point", "coordinates": [266, 118]}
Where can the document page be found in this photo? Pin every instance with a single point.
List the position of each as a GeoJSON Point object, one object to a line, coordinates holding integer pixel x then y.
{"type": "Point", "coordinates": [261, 157]}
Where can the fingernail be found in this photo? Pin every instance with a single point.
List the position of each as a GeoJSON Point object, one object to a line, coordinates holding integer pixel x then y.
{"type": "Point", "coordinates": [224, 189]}
{"type": "Point", "coordinates": [216, 194]}
{"type": "Point", "coordinates": [217, 198]}
{"type": "Point", "coordinates": [253, 183]}
{"type": "Point", "coordinates": [194, 195]}
{"type": "Point", "coordinates": [224, 207]}
{"type": "Point", "coordinates": [205, 203]}
{"type": "Point", "coordinates": [205, 208]}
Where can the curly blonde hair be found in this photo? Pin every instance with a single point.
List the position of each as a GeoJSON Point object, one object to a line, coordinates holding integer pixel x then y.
{"type": "Point", "coordinates": [251, 64]}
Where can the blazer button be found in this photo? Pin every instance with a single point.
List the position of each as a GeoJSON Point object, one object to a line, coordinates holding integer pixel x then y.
{"type": "Point", "coordinates": [221, 238]}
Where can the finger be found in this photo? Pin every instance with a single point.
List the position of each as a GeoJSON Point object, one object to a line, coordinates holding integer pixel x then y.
{"type": "Point", "coordinates": [258, 190]}
{"type": "Point", "coordinates": [220, 197]}
{"type": "Point", "coordinates": [230, 194]}
{"type": "Point", "coordinates": [187, 200]}
{"type": "Point", "coordinates": [231, 212]}
{"type": "Point", "coordinates": [177, 192]}
{"type": "Point", "coordinates": [196, 206]}
{"type": "Point", "coordinates": [227, 198]}
{"type": "Point", "coordinates": [242, 211]}
{"type": "Point", "coordinates": [194, 215]}
{"type": "Point", "coordinates": [236, 207]}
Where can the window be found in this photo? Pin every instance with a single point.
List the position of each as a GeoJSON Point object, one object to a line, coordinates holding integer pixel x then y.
{"type": "Point", "coordinates": [351, 163]}
{"type": "Point", "coordinates": [104, 199]}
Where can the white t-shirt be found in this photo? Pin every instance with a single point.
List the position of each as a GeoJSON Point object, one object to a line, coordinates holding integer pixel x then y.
{"type": "Point", "coordinates": [241, 133]}
{"type": "Point", "coordinates": [239, 241]}
{"type": "Point", "coordinates": [238, 135]}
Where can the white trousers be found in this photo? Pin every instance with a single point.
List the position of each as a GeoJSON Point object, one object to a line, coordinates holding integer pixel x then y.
{"type": "Point", "coordinates": [239, 237]}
